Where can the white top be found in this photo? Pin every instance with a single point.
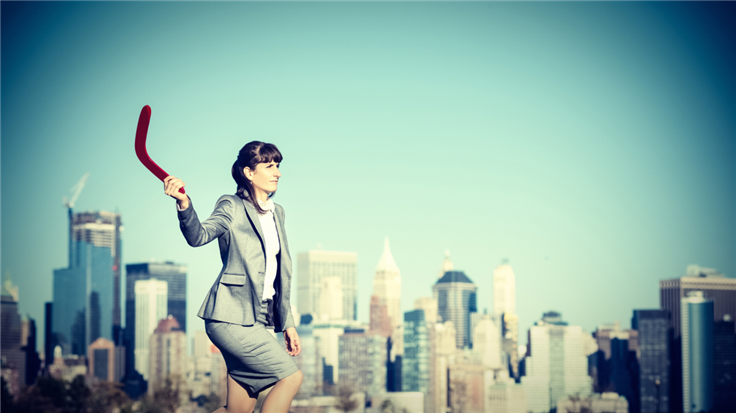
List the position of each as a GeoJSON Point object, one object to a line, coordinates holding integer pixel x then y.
{"type": "Point", "coordinates": [273, 247]}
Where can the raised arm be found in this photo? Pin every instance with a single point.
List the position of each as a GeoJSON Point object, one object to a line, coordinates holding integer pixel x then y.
{"type": "Point", "coordinates": [195, 232]}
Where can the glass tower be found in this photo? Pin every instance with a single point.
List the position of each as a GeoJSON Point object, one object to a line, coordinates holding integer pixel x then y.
{"type": "Point", "coordinates": [456, 299]}
{"type": "Point", "coordinates": [83, 298]}
{"type": "Point", "coordinates": [696, 315]}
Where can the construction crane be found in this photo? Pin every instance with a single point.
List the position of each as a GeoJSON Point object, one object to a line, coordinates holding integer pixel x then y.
{"type": "Point", "coordinates": [69, 204]}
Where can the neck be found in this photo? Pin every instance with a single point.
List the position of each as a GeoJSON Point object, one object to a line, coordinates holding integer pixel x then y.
{"type": "Point", "coordinates": [261, 195]}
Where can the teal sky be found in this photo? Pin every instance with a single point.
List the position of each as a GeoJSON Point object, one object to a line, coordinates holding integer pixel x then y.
{"type": "Point", "coordinates": [590, 144]}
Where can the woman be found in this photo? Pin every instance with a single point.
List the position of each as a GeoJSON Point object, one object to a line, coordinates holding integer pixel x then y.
{"type": "Point", "coordinates": [251, 294]}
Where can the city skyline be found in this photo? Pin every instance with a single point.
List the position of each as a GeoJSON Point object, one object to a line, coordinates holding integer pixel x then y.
{"type": "Point", "coordinates": [592, 145]}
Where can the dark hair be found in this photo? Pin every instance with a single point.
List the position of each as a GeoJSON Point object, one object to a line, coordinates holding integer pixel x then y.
{"type": "Point", "coordinates": [249, 156]}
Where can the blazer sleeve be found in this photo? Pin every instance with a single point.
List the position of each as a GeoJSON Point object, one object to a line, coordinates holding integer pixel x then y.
{"type": "Point", "coordinates": [198, 234]}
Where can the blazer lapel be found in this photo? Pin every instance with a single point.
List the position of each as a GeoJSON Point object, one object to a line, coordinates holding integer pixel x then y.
{"type": "Point", "coordinates": [256, 221]}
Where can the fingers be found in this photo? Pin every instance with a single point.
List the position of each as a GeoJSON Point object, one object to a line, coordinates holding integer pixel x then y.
{"type": "Point", "coordinates": [293, 344]}
{"type": "Point", "coordinates": [172, 185]}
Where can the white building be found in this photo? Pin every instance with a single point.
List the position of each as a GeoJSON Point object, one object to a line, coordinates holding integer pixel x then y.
{"type": "Point", "coordinates": [151, 306]}
{"type": "Point", "coordinates": [387, 287]}
{"type": "Point", "coordinates": [505, 396]}
{"type": "Point", "coordinates": [312, 267]}
{"type": "Point", "coordinates": [331, 308]}
{"type": "Point", "coordinates": [487, 339]}
{"type": "Point", "coordinates": [504, 290]}
{"type": "Point", "coordinates": [558, 365]}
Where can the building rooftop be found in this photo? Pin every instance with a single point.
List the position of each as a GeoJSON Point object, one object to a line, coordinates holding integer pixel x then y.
{"type": "Point", "coordinates": [454, 277]}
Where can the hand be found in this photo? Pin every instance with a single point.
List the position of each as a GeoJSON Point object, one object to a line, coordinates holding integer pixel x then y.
{"type": "Point", "coordinates": [293, 345]}
{"type": "Point", "coordinates": [171, 188]}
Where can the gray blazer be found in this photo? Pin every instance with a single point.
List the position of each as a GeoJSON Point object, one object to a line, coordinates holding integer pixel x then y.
{"type": "Point", "coordinates": [236, 295]}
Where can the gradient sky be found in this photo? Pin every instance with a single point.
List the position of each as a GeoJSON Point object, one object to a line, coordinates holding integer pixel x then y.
{"type": "Point", "coordinates": [593, 145]}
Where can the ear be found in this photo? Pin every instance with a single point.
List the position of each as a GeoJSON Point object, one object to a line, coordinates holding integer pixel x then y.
{"type": "Point", "coordinates": [248, 172]}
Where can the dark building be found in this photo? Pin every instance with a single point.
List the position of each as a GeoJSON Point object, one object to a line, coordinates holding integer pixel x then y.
{"type": "Point", "coordinates": [716, 287]}
{"type": "Point", "coordinates": [13, 358]}
{"type": "Point", "coordinates": [655, 335]}
{"type": "Point", "coordinates": [456, 299]}
{"type": "Point", "coordinates": [33, 362]}
{"type": "Point", "coordinates": [725, 365]}
{"type": "Point", "coordinates": [176, 277]}
{"type": "Point", "coordinates": [50, 343]}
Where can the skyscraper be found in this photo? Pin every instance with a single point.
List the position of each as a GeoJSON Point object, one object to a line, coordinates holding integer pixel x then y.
{"type": "Point", "coordinates": [387, 287]}
{"type": "Point", "coordinates": [13, 358]}
{"type": "Point", "coordinates": [83, 296]}
{"type": "Point", "coordinates": [725, 365]}
{"type": "Point", "coordinates": [387, 284]}
{"type": "Point", "coordinates": [312, 267]}
{"type": "Point", "coordinates": [654, 332]}
{"type": "Point", "coordinates": [714, 285]}
{"type": "Point", "coordinates": [150, 308]}
{"type": "Point", "coordinates": [696, 315]}
{"type": "Point", "coordinates": [504, 307]}
{"type": "Point", "coordinates": [101, 229]}
{"type": "Point", "coordinates": [175, 276]}
{"type": "Point", "coordinates": [415, 367]}
{"type": "Point", "coordinates": [362, 361]}
{"type": "Point", "coordinates": [106, 361]}
{"type": "Point", "coordinates": [556, 365]}
{"type": "Point", "coordinates": [487, 340]}
{"type": "Point", "coordinates": [456, 299]}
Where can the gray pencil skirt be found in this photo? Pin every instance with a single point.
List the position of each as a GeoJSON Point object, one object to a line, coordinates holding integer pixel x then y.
{"type": "Point", "coordinates": [253, 356]}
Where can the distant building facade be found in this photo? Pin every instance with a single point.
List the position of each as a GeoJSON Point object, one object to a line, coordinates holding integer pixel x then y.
{"type": "Point", "coordinates": [456, 299]}
{"type": "Point", "coordinates": [714, 285]}
{"type": "Point", "coordinates": [362, 361]}
{"type": "Point", "coordinates": [13, 358]}
{"type": "Point", "coordinates": [151, 306]}
{"type": "Point", "coordinates": [724, 365]}
{"type": "Point", "coordinates": [168, 353]}
{"type": "Point", "coordinates": [556, 365]}
{"type": "Point", "coordinates": [175, 276]}
{"type": "Point", "coordinates": [106, 361]}
{"type": "Point", "coordinates": [696, 318]}
{"type": "Point", "coordinates": [312, 267]}
{"type": "Point", "coordinates": [654, 335]}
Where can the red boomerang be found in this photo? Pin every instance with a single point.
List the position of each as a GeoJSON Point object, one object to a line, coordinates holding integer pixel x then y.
{"type": "Point", "coordinates": [140, 145]}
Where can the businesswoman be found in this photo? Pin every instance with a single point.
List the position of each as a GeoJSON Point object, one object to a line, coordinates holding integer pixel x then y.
{"type": "Point", "coordinates": [252, 292]}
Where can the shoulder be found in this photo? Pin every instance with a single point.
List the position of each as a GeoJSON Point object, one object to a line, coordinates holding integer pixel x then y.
{"type": "Point", "coordinates": [279, 209]}
{"type": "Point", "coordinates": [227, 202]}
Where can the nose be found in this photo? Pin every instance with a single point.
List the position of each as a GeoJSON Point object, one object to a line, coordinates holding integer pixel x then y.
{"type": "Point", "coordinates": [278, 173]}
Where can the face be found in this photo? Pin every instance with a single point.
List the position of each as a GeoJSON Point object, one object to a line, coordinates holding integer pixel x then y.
{"type": "Point", "coordinates": [265, 177]}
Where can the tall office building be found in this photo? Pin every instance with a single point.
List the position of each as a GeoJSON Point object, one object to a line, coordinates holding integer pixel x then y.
{"type": "Point", "coordinates": [312, 267]}
{"type": "Point", "coordinates": [150, 307]}
{"type": "Point", "coordinates": [504, 290]}
{"type": "Point", "coordinates": [101, 229]}
{"type": "Point", "coordinates": [28, 346]}
{"type": "Point", "coordinates": [696, 318]}
{"type": "Point", "coordinates": [175, 276]}
{"type": "Point", "coordinates": [556, 363]}
{"type": "Point", "coordinates": [415, 367]}
{"type": "Point", "coordinates": [504, 307]}
{"type": "Point", "coordinates": [379, 321]}
{"type": "Point", "coordinates": [654, 335]}
{"type": "Point", "coordinates": [13, 358]}
{"type": "Point", "coordinates": [387, 286]}
{"type": "Point", "coordinates": [362, 361]}
{"type": "Point", "coordinates": [83, 294]}
{"type": "Point", "coordinates": [442, 352]}
{"type": "Point", "coordinates": [328, 337]}
{"type": "Point", "coordinates": [456, 299]}
{"type": "Point", "coordinates": [487, 340]}
{"type": "Point", "coordinates": [331, 309]}
{"type": "Point", "coordinates": [714, 285]}
{"type": "Point", "coordinates": [725, 365]}
{"type": "Point", "coordinates": [168, 357]}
